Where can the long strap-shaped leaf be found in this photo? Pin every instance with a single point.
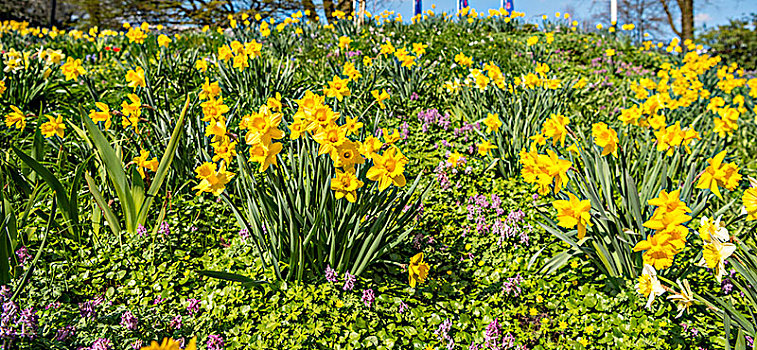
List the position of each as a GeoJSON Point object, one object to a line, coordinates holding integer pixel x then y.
{"type": "Point", "coordinates": [115, 170]}
{"type": "Point", "coordinates": [164, 166]}
{"type": "Point", "coordinates": [71, 214]}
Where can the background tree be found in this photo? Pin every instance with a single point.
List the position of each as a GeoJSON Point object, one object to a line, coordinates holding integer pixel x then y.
{"type": "Point", "coordinates": [735, 42]}
{"type": "Point", "coordinates": [648, 16]}
{"type": "Point", "coordinates": [685, 10]}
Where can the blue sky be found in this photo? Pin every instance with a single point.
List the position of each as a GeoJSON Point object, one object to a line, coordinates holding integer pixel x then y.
{"type": "Point", "coordinates": [713, 13]}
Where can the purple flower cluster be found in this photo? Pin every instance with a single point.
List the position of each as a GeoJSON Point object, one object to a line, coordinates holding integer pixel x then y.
{"type": "Point", "coordinates": [165, 228]}
{"type": "Point", "coordinates": [512, 285]}
{"type": "Point", "coordinates": [486, 215]}
{"type": "Point", "coordinates": [193, 306]}
{"type": "Point", "coordinates": [175, 322]}
{"type": "Point", "coordinates": [403, 307]}
{"type": "Point", "coordinates": [215, 342]}
{"type": "Point", "coordinates": [331, 275]}
{"type": "Point", "coordinates": [129, 321]}
{"type": "Point", "coordinates": [368, 297]}
{"type": "Point", "coordinates": [492, 340]}
{"type": "Point", "coordinates": [244, 234]}
{"type": "Point", "coordinates": [351, 54]}
{"type": "Point", "coordinates": [65, 333]}
{"type": "Point", "coordinates": [141, 230]}
{"type": "Point", "coordinates": [87, 309]}
{"type": "Point", "coordinates": [101, 344]}
{"type": "Point", "coordinates": [431, 117]}
{"type": "Point", "coordinates": [23, 255]}
{"type": "Point", "coordinates": [443, 333]}
{"type": "Point", "coordinates": [349, 281]}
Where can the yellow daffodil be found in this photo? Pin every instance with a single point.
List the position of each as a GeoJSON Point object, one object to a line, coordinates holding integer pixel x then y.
{"type": "Point", "coordinates": [136, 78]}
{"type": "Point", "coordinates": [750, 203]}
{"type": "Point", "coordinates": [212, 181]}
{"type": "Point", "coordinates": [417, 270]}
{"type": "Point", "coordinates": [103, 115]}
{"type": "Point", "coordinates": [345, 185]}
{"type": "Point", "coordinates": [492, 122]}
{"type": "Point", "coordinates": [485, 147]}
{"type": "Point", "coordinates": [714, 254]}
{"type": "Point", "coordinates": [53, 126]}
{"type": "Point", "coordinates": [338, 88]}
{"type": "Point", "coordinates": [131, 112]}
{"type": "Point", "coordinates": [265, 154]}
{"type": "Point", "coordinates": [143, 163]}
{"type": "Point", "coordinates": [388, 168]}
{"type": "Point", "coordinates": [163, 40]}
{"type": "Point", "coordinates": [201, 65]}
{"type": "Point", "coordinates": [719, 174]}
{"type": "Point", "coordinates": [657, 251]}
{"type": "Point", "coordinates": [380, 97]}
{"type": "Point", "coordinates": [16, 118]}
{"type": "Point", "coordinates": [72, 69]}
{"type": "Point", "coordinates": [573, 212]}
{"type": "Point", "coordinates": [170, 344]}
{"type": "Point", "coordinates": [606, 138]}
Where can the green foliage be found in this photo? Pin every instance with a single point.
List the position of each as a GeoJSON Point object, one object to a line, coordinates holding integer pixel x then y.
{"type": "Point", "coordinates": [735, 42]}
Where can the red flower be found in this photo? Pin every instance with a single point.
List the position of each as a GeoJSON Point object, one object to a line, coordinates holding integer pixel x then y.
{"type": "Point", "coordinates": [107, 48]}
{"type": "Point", "coordinates": [116, 49]}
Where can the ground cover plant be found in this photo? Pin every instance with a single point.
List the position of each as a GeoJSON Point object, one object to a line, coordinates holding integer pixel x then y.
{"type": "Point", "coordinates": [458, 181]}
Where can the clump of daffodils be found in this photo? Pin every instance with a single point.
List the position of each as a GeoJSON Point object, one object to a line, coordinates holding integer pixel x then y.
{"type": "Point", "coordinates": [670, 233]}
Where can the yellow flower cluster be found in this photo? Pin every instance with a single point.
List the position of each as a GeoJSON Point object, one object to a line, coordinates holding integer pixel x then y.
{"type": "Point", "coordinates": [544, 170]}
{"type": "Point", "coordinates": [240, 53]}
{"type": "Point", "coordinates": [214, 177]}
{"type": "Point", "coordinates": [670, 233]}
{"type": "Point", "coordinates": [554, 128]}
{"type": "Point", "coordinates": [682, 87]}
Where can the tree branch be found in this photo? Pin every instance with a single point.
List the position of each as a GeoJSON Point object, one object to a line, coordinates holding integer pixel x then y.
{"type": "Point", "coordinates": [670, 17]}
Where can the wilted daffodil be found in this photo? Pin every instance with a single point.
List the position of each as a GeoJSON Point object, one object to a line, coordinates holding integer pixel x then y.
{"type": "Point", "coordinates": [572, 213]}
{"type": "Point", "coordinates": [53, 126]}
{"type": "Point", "coordinates": [685, 299]}
{"type": "Point", "coordinates": [648, 285]}
{"type": "Point", "coordinates": [719, 174]}
{"type": "Point", "coordinates": [417, 270]}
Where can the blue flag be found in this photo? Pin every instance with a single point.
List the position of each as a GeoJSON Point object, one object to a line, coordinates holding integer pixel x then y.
{"type": "Point", "coordinates": [418, 7]}
{"type": "Point", "coordinates": [509, 7]}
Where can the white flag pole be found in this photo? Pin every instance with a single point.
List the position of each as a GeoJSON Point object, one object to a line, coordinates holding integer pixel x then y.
{"type": "Point", "coordinates": [613, 12]}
